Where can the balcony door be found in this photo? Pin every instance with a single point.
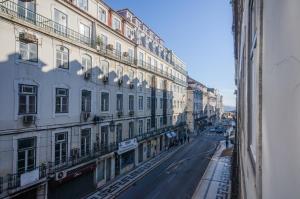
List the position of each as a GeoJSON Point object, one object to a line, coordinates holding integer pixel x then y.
{"type": "Point", "coordinates": [26, 10]}
{"type": "Point", "coordinates": [60, 25]}
{"type": "Point", "coordinates": [104, 137]}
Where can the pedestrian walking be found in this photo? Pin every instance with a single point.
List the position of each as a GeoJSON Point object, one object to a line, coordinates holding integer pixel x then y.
{"type": "Point", "coordinates": [188, 138]}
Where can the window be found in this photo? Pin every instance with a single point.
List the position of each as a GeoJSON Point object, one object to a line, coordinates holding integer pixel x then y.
{"type": "Point", "coordinates": [62, 100]}
{"type": "Point", "coordinates": [102, 14]}
{"type": "Point", "coordinates": [141, 78]}
{"type": "Point", "coordinates": [27, 99]}
{"type": "Point", "coordinates": [119, 133]}
{"type": "Point", "coordinates": [149, 61]}
{"type": "Point", "coordinates": [62, 57]}
{"type": "Point", "coordinates": [161, 103]}
{"type": "Point", "coordinates": [155, 64]}
{"type": "Point", "coordinates": [148, 103]}
{"type": "Point", "coordinates": [28, 51]}
{"type": "Point", "coordinates": [85, 147]}
{"type": "Point", "coordinates": [116, 24]}
{"type": "Point", "coordinates": [141, 127]}
{"type": "Point", "coordinates": [161, 121]}
{"type": "Point", "coordinates": [128, 32]}
{"type": "Point", "coordinates": [130, 75]}
{"type": "Point", "coordinates": [85, 33]}
{"type": "Point", "coordinates": [61, 19]}
{"type": "Point", "coordinates": [86, 62]}
{"type": "Point", "coordinates": [119, 72]}
{"type": "Point", "coordinates": [141, 103]}
{"type": "Point", "coordinates": [86, 98]}
{"type": "Point", "coordinates": [119, 102]}
{"type": "Point", "coordinates": [104, 102]}
{"type": "Point", "coordinates": [131, 129]}
{"type": "Point", "coordinates": [26, 155]}
{"type": "Point", "coordinates": [130, 54]}
{"type": "Point", "coordinates": [82, 4]}
{"type": "Point", "coordinates": [104, 68]}
{"type": "Point", "coordinates": [131, 103]}
{"type": "Point", "coordinates": [148, 125]}
{"type": "Point", "coordinates": [104, 40]}
{"type": "Point", "coordinates": [26, 9]}
{"type": "Point", "coordinates": [141, 58]}
{"type": "Point", "coordinates": [61, 148]}
{"type": "Point", "coordinates": [118, 47]}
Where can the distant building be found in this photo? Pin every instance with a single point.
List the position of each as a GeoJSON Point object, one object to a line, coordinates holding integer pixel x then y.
{"type": "Point", "coordinates": [203, 105]}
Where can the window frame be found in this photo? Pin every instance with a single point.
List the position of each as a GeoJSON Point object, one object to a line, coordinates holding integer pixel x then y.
{"type": "Point", "coordinates": [61, 100]}
{"type": "Point", "coordinates": [27, 95]}
{"type": "Point", "coordinates": [101, 100]}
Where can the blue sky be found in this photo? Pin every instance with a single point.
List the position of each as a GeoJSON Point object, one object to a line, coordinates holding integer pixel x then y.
{"type": "Point", "coordinates": [199, 31]}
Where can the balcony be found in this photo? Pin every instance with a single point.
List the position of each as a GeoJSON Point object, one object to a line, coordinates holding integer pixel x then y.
{"type": "Point", "coordinates": [15, 182]}
{"type": "Point", "coordinates": [152, 133]}
{"type": "Point", "coordinates": [74, 160]}
{"type": "Point", "coordinates": [16, 11]}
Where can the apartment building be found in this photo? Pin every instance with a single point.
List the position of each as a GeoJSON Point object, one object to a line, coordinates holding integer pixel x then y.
{"type": "Point", "coordinates": [203, 105]}
{"type": "Point", "coordinates": [87, 94]}
{"type": "Point", "coordinates": [267, 78]}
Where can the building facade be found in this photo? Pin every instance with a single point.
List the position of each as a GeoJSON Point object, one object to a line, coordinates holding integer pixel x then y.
{"type": "Point", "coordinates": [267, 78]}
{"type": "Point", "coordinates": [203, 105]}
{"type": "Point", "coordinates": [89, 93]}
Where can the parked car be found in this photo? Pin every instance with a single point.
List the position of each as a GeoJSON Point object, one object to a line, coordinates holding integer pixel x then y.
{"type": "Point", "coordinates": [220, 130]}
{"type": "Point", "coordinates": [212, 130]}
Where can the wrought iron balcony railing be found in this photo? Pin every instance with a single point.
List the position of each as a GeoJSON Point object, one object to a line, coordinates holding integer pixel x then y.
{"type": "Point", "coordinates": [14, 10]}
{"type": "Point", "coordinates": [13, 181]}
{"type": "Point", "coordinates": [74, 160]}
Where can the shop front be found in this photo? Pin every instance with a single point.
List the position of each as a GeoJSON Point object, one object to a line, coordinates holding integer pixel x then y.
{"type": "Point", "coordinates": [104, 170]}
{"type": "Point", "coordinates": [73, 183]}
{"type": "Point", "coordinates": [125, 157]}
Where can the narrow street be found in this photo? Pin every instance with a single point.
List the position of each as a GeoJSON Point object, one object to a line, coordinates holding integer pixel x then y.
{"type": "Point", "coordinates": [179, 175]}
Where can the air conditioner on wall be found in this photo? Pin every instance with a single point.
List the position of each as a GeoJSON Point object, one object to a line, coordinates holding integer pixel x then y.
{"type": "Point", "coordinates": [60, 175]}
{"type": "Point", "coordinates": [28, 119]}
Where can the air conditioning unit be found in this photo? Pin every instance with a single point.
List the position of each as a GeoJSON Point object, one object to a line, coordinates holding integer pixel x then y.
{"type": "Point", "coordinates": [27, 37]}
{"type": "Point", "coordinates": [131, 85]}
{"type": "Point", "coordinates": [85, 115]}
{"type": "Point", "coordinates": [120, 82]}
{"type": "Point", "coordinates": [125, 54]}
{"type": "Point", "coordinates": [105, 78]}
{"type": "Point", "coordinates": [87, 75]}
{"type": "Point", "coordinates": [110, 47]}
{"type": "Point", "coordinates": [75, 153]}
{"type": "Point", "coordinates": [120, 113]}
{"type": "Point", "coordinates": [96, 119]}
{"type": "Point", "coordinates": [131, 113]}
{"type": "Point", "coordinates": [60, 175]}
{"type": "Point", "coordinates": [28, 119]}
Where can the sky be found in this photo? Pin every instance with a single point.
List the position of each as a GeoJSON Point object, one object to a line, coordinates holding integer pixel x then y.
{"type": "Point", "coordinates": [198, 31]}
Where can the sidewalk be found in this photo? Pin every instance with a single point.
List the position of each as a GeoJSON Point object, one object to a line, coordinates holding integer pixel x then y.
{"type": "Point", "coordinates": [216, 183]}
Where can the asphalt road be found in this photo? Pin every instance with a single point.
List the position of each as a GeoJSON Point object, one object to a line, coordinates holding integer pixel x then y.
{"type": "Point", "coordinates": [179, 175]}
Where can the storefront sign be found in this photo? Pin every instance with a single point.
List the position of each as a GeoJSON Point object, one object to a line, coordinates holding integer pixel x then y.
{"type": "Point", "coordinates": [29, 177]}
{"type": "Point", "coordinates": [127, 145]}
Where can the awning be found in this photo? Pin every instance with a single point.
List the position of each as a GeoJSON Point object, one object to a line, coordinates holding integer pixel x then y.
{"type": "Point", "coordinates": [169, 135]}
{"type": "Point", "coordinates": [173, 134]}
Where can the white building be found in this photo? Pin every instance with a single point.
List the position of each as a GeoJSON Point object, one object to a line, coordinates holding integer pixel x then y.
{"type": "Point", "coordinates": [267, 78]}
{"type": "Point", "coordinates": [87, 93]}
